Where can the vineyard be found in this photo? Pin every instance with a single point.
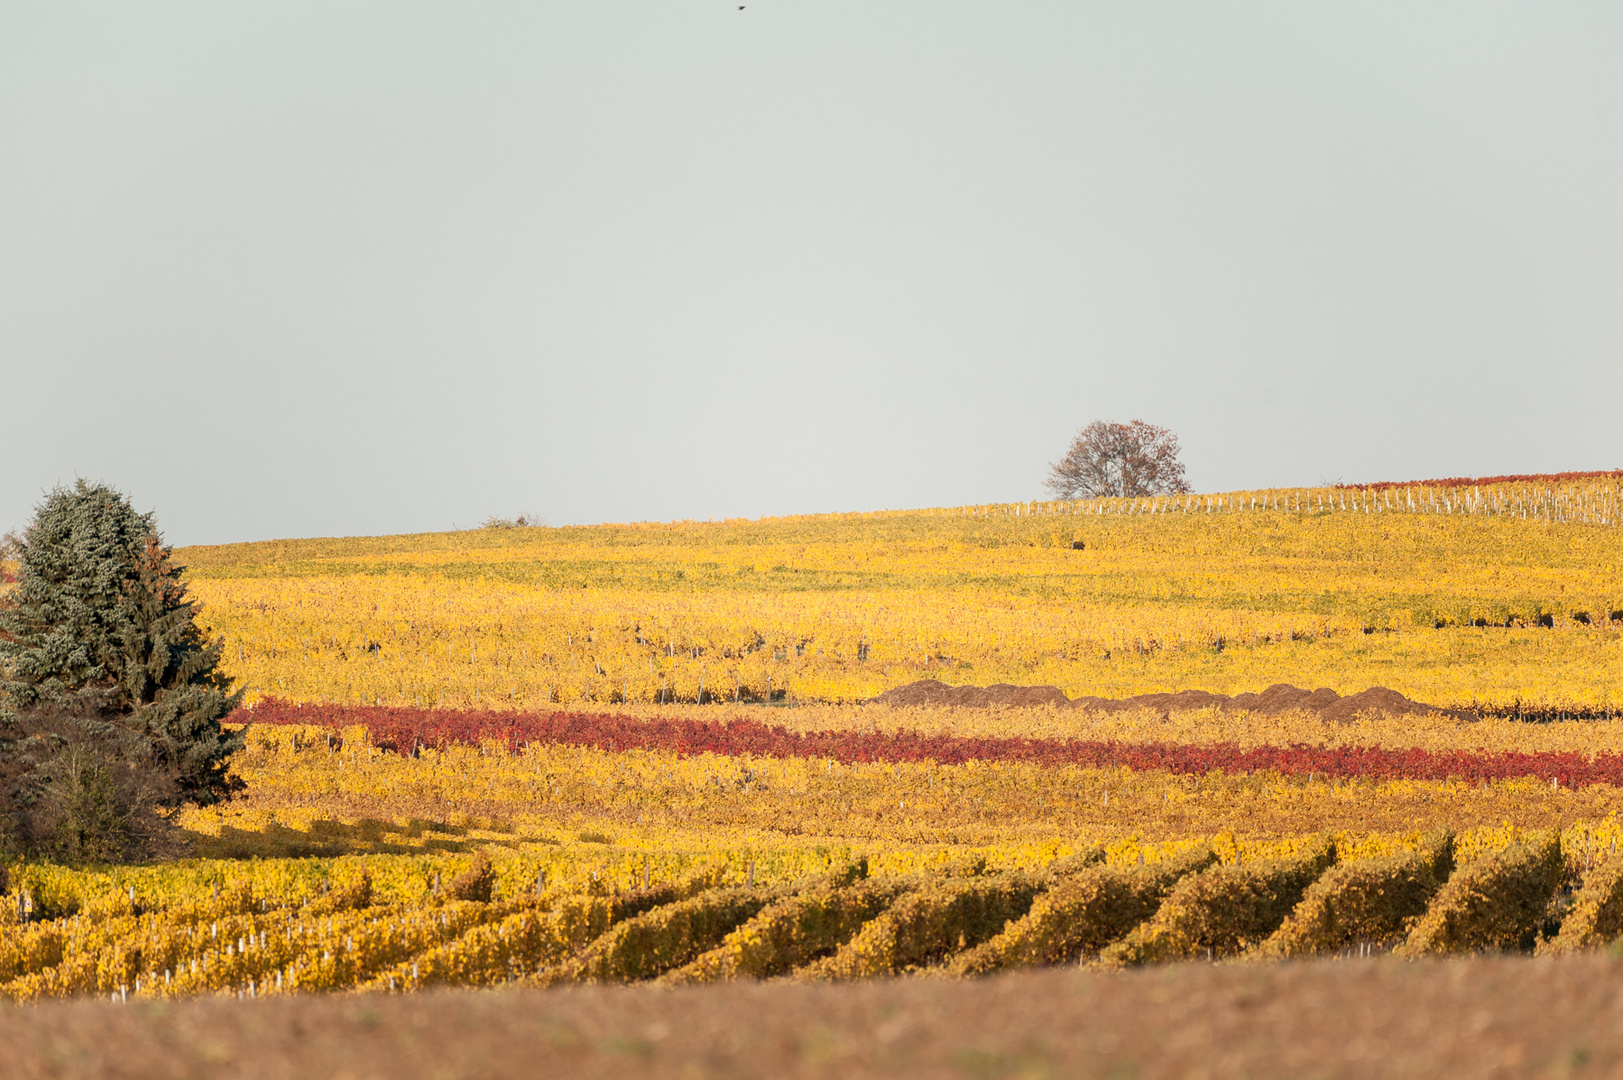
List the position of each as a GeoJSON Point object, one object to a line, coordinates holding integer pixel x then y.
{"type": "Point", "coordinates": [1504, 596]}
{"type": "Point", "coordinates": [381, 855]}
{"type": "Point", "coordinates": [658, 753]}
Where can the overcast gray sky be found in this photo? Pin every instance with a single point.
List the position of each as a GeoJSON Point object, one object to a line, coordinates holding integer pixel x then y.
{"type": "Point", "coordinates": [295, 269]}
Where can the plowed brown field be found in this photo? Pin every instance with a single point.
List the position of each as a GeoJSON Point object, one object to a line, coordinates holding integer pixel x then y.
{"type": "Point", "coordinates": [1481, 1017]}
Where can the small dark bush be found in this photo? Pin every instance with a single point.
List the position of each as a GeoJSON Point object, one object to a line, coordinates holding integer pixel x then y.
{"type": "Point", "coordinates": [80, 787]}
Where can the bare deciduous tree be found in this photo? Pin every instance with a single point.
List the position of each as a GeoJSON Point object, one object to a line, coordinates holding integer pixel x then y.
{"type": "Point", "coordinates": [1117, 460]}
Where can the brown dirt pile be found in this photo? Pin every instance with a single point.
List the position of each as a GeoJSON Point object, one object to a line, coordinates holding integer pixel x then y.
{"type": "Point", "coordinates": [1281, 697]}
{"type": "Point", "coordinates": [1487, 1016]}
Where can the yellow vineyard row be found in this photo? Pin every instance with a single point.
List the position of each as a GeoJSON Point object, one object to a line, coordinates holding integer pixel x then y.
{"type": "Point", "coordinates": [305, 797]}
{"type": "Point", "coordinates": [389, 924]}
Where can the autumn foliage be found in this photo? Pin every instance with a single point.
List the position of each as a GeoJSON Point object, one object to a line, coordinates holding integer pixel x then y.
{"type": "Point", "coordinates": [1473, 481]}
{"type": "Point", "coordinates": [404, 730]}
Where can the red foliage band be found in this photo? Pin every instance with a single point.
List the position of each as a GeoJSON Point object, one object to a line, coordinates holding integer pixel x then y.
{"type": "Point", "coordinates": [405, 729]}
{"type": "Point", "coordinates": [1478, 481]}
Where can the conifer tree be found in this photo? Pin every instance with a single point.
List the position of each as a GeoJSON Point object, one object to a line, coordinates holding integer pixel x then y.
{"type": "Point", "coordinates": [98, 626]}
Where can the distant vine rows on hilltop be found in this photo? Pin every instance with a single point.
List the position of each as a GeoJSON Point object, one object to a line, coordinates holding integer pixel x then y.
{"type": "Point", "coordinates": [1499, 597]}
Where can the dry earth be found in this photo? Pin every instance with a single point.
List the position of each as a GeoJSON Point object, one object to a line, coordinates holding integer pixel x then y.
{"type": "Point", "coordinates": [1480, 1017]}
{"type": "Point", "coordinates": [1328, 705]}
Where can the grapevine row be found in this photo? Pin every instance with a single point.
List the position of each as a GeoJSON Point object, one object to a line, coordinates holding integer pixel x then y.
{"type": "Point", "coordinates": [846, 924]}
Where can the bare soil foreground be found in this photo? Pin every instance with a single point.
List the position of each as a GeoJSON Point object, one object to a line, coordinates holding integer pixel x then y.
{"type": "Point", "coordinates": [1481, 1017]}
{"type": "Point", "coordinates": [1330, 706]}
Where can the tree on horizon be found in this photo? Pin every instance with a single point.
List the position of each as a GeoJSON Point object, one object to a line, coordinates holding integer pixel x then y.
{"type": "Point", "coordinates": [1119, 460]}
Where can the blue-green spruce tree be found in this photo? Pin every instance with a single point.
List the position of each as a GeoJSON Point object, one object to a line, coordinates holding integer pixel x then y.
{"type": "Point", "coordinates": [98, 627]}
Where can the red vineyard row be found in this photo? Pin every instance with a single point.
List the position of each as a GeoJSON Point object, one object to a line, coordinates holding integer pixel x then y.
{"type": "Point", "coordinates": [1478, 481]}
{"type": "Point", "coordinates": [403, 730]}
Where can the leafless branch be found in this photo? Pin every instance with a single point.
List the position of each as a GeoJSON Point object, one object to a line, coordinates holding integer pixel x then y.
{"type": "Point", "coordinates": [1115, 460]}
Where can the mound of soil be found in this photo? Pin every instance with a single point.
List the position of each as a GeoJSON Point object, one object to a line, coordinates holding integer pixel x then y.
{"type": "Point", "coordinates": [933, 692]}
{"type": "Point", "coordinates": [1281, 697]}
